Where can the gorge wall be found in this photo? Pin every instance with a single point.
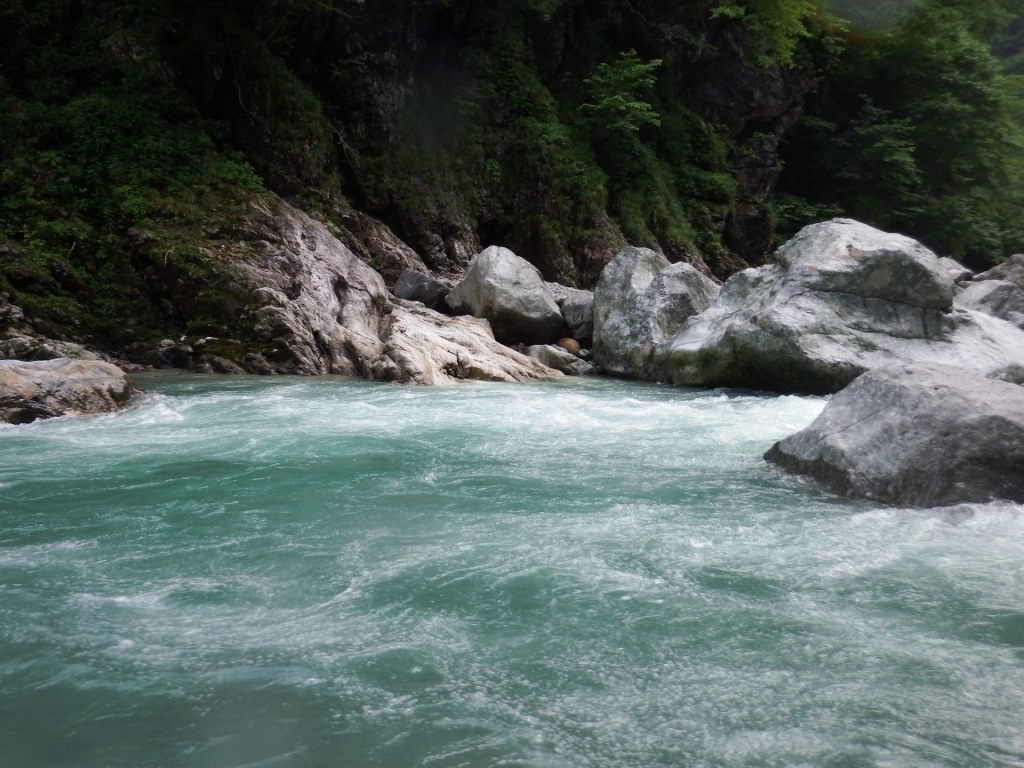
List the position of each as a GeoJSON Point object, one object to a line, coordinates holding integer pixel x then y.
{"type": "Point", "coordinates": [136, 139]}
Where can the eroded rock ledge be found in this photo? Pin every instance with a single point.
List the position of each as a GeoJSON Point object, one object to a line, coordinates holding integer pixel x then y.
{"type": "Point", "coordinates": [303, 303]}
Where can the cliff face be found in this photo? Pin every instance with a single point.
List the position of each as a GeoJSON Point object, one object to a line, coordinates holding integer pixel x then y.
{"type": "Point", "coordinates": [417, 132]}
{"type": "Point", "coordinates": [462, 124]}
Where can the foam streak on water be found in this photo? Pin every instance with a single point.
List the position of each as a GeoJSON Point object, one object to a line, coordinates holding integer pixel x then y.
{"type": "Point", "coordinates": [245, 572]}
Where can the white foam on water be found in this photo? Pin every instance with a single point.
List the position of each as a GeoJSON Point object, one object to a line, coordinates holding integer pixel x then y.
{"type": "Point", "coordinates": [567, 574]}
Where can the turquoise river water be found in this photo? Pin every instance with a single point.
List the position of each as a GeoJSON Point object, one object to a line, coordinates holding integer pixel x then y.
{"type": "Point", "coordinates": [582, 574]}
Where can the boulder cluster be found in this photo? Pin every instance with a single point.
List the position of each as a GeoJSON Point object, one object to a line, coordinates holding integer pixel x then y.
{"type": "Point", "coordinates": [840, 299]}
{"type": "Point", "coordinates": [926, 357]}
{"type": "Point", "coordinates": [550, 323]}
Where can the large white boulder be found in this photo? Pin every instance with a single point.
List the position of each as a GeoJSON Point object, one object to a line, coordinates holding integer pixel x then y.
{"type": "Point", "coordinates": [58, 387]}
{"type": "Point", "coordinates": [924, 435]}
{"type": "Point", "coordinates": [317, 308]}
{"type": "Point", "coordinates": [841, 299]}
{"type": "Point", "coordinates": [422, 346]}
{"type": "Point", "coordinates": [640, 301]}
{"type": "Point", "coordinates": [510, 293]}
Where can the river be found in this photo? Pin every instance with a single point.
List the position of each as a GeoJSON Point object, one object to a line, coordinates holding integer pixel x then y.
{"type": "Point", "coordinates": [575, 574]}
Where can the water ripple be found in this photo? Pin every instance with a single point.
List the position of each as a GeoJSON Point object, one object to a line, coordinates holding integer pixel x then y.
{"type": "Point", "coordinates": [293, 572]}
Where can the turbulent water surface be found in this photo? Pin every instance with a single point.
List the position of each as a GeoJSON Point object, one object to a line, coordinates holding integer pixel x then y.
{"type": "Point", "coordinates": [284, 572]}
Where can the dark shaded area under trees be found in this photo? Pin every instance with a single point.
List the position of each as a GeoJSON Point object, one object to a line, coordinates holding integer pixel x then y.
{"type": "Point", "coordinates": [562, 129]}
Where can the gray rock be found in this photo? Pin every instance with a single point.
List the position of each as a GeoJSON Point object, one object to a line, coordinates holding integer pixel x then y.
{"type": "Point", "coordinates": [9, 313]}
{"type": "Point", "coordinates": [846, 257]}
{"type": "Point", "coordinates": [1011, 270]}
{"type": "Point", "coordinates": [49, 388]}
{"type": "Point", "coordinates": [999, 298]}
{"type": "Point", "coordinates": [375, 244]}
{"type": "Point", "coordinates": [956, 271]}
{"type": "Point", "coordinates": [416, 286]}
{"type": "Point", "coordinates": [640, 301]}
{"type": "Point", "coordinates": [578, 311]}
{"type": "Point", "coordinates": [424, 347]}
{"type": "Point", "coordinates": [29, 346]}
{"type": "Point", "coordinates": [923, 435]}
{"type": "Point", "coordinates": [577, 307]}
{"type": "Point", "coordinates": [510, 293]}
{"type": "Point", "coordinates": [316, 308]}
{"type": "Point", "coordinates": [19, 341]}
{"type": "Point", "coordinates": [842, 298]}
{"type": "Point", "coordinates": [562, 360]}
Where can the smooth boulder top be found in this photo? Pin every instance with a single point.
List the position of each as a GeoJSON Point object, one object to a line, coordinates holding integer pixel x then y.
{"type": "Point", "coordinates": [846, 256]}
{"type": "Point", "coordinates": [841, 299]}
{"type": "Point", "coordinates": [510, 293]}
{"type": "Point", "coordinates": [49, 388]}
{"type": "Point", "coordinates": [920, 435]}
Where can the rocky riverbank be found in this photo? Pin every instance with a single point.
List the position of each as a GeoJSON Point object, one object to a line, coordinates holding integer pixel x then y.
{"type": "Point", "coordinates": [925, 435]}
{"type": "Point", "coordinates": [841, 300]}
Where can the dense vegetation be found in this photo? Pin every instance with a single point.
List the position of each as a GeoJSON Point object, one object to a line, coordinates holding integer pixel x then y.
{"type": "Point", "coordinates": [917, 128]}
{"type": "Point", "coordinates": [561, 128]}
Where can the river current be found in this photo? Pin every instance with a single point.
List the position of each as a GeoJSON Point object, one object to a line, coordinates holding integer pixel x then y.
{"type": "Point", "coordinates": [578, 574]}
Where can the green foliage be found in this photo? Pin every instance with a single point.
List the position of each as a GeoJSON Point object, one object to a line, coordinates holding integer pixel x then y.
{"type": "Point", "coordinates": [617, 92]}
{"type": "Point", "coordinates": [543, 187]}
{"type": "Point", "coordinates": [780, 24]}
{"type": "Point", "coordinates": [525, 121]}
{"type": "Point", "coordinates": [919, 132]}
{"type": "Point", "coordinates": [281, 125]}
{"type": "Point", "coordinates": [95, 141]}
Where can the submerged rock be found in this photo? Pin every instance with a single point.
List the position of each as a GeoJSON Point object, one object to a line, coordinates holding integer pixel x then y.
{"type": "Point", "coordinates": [49, 388]}
{"type": "Point", "coordinates": [640, 301]}
{"type": "Point", "coordinates": [511, 294]}
{"type": "Point", "coordinates": [842, 298]}
{"type": "Point", "coordinates": [924, 435]}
